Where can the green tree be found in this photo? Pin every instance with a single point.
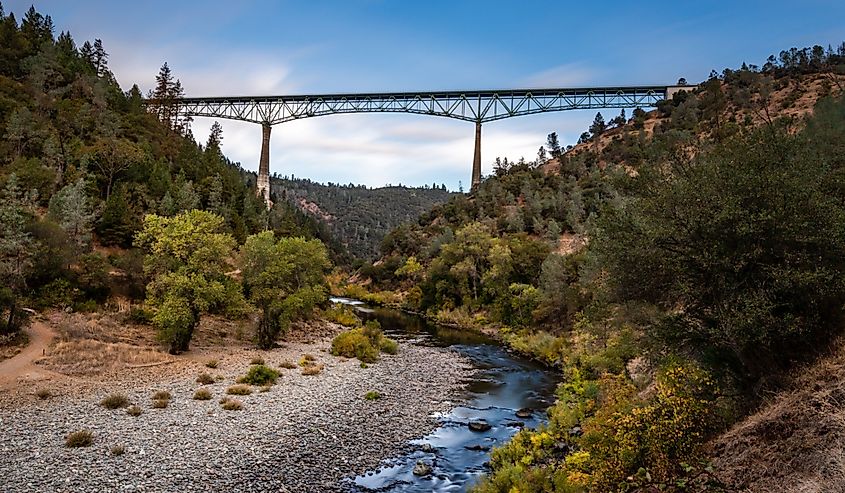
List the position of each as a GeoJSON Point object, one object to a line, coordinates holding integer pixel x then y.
{"type": "Point", "coordinates": [17, 248]}
{"type": "Point", "coordinates": [285, 278]}
{"type": "Point", "coordinates": [72, 210]}
{"type": "Point", "coordinates": [118, 222]}
{"type": "Point", "coordinates": [187, 258]}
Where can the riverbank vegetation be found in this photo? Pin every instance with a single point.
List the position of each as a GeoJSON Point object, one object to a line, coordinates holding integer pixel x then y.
{"type": "Point", "coordinates": [673, 266]}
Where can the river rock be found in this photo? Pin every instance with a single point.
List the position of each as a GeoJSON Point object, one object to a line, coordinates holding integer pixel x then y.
{"type": "Point", "coordinates": [515, 424]}
{"type": "Point", "coordinates": [479, 425]}
{"type": "Point", "coordinates": [427, 448]}
{"type": "Point", "coordinates": [422, 468]}
{"type": "Point", "coordinates": [478, 447]}
{"type": "Point", "coordinates": [524, 413]}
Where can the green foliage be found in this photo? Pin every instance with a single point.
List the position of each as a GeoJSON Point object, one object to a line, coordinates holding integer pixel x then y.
{"type": "Point", "coordinates": [285, 278]}
{"type": "Point", "coordinates": [363, 343]}
{"type": "Point", "coordinates": [372, 395]}
{"type": "Point", "coordinates": [187, 257]}
{"type": "Point", "coordinates": [259, 375]}
{"type": "Point", "coordinates": [341, 314]}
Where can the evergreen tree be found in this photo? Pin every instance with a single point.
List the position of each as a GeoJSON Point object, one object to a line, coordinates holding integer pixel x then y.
{"type": "Point", "coordinates": [72, 210]}
{"type": "Point", "coordinates": [599, 126]}
{"type": "Point", "coordinates": [553, 145]}
{"type": "Point", "coordinates": [118, 223]}
{"type": "Point", "coordinates": [17, 249]}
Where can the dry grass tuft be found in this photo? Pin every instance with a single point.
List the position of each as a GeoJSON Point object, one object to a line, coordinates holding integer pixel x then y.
{"type": "Point", "coordinates": [202, 395]}
{"type": "Point", "coordinates": [239, 390]}
{"type": "Point", "coordinates": [265, 388]}
{"type": "Point", "coordinates": [205, 379]}
{"type": "Point", "coordinates": [160, 403]}
{"type": "Point", "coordinates": [231, 404]}
{"type": "Point", "coordinates": [81, 438]}
{"type": "Point", "coordinates": [258, 360]}
{"type": "Point", "coordinates": [115, 401]}
{"type": "Point", "coordinates": [134, 411]}
{"type": "Point", "coordinates": [312, 370]}
{"type": "Point", "coordinates": [43, 394]}
{"type": "Point", "coordinates": [287, 364]}
{"type": "Point", "coordinates": [212, 363]}
{"type": "Point", "coordinates": [307, 360]}
{"type": "Point", "coordinates": [117, 450]}
{"type": "Point", "coordinates": [162, 395]}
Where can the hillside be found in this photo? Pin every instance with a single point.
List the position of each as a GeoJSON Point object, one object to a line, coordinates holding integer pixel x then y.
{"type": "Point", "coordinates": [676, 266]}
{"type": "Point", "coordinates": [359, 216]}
{"type": "Point", "coordinates": [82, 163]}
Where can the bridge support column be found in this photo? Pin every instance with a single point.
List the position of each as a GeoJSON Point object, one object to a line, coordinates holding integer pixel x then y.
{"type": "Point", "coordinates": [263, 184]}
{"type": "Point", "coordinates": [476, 160]}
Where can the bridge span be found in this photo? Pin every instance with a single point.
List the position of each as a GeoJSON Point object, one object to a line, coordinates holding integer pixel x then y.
{"type": "Point", "coordinates": [471, 106]}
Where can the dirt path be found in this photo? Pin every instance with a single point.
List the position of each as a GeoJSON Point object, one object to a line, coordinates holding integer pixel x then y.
{"type": "Point", "coordinates": [23, 363]}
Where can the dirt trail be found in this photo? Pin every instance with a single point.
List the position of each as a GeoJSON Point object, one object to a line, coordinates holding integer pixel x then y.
{"type": "Point", "coordinates": [23, 363]}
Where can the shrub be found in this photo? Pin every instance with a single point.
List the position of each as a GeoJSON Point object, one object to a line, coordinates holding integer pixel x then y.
{"type": "Point", "coordinates": [140, 315]}
{"type": "Point", "coordinates": [258, 360]}
{"type": "Point", "coordinates": [364, 365]}
{"type": "Point", "coordinates": [162, 395]}
{"type": "Point", "coordinates": [363, 343]}
{"type": "Point", "coordinates": [205, 379]}
{"type": "Point", "coordinates": [312, 370]}
{"type": "Point", "coordinates": [354, 344]}
{"type": "Point", "coordinates": [81, 438]}
{"type": "Point", "coordinates": [114, 401]}
{"type": "Point", "coordinates": [239, 390]}
{"type": "Point", "coordinates": [265, 388]}
{"type": "Point", "coordinates": [43, 394]}
{"type": "Point", "coordinates": [202, 395]}
{"type": "Point", "coordinates": [117, 450]}
{"type": "Point", "coordinates": [342, 315]}
{"type": "Point", "coordinates": [212, 363]}
{"type": "Point", "coordinates": [287, 364]}
{"type": "Point", "coordinates": [231, 404]}
{"type": "Point", "coordinates": [134, 411]}
{"type": "Point", "coordinates": [259, 375]}
{"type": "Point", "coordinates": [388, 346]}
{"type": "Point", "coordinates": [160, 403]}
{"type": "Point", "coordinates": [372, 395]}
{"type": "Point", "coordinates": [307, 360]}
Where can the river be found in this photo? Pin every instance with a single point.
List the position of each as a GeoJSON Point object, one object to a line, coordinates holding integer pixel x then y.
{"type": "Point", "coordinates": [503, 384]}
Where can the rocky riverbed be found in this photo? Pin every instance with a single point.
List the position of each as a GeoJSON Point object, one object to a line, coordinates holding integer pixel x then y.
{"type": "Point", "coordinates": [306, 434]}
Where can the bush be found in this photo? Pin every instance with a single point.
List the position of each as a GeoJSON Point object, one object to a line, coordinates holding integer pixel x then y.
{"type": "Point", "coordinates": [81, 438]}
{"type": "Point", "coordinates": [231, 404]}
{"type": "Point", "coordinates": [117, 450]}
{"type": "Point", "coordinates": [343, 315]}
{"type": "Point", "coordinates": [258, 360]}
{"type": "Point", "coordinates": [259, 375]}
{"type": "Point", "coordinates": [388, 346]}
{"type": "Point", "coordinates": [202, 395]}
{"type": "Point", "coordinates": [372, 395]}
{"type": "Point", "coordinates": [307, 360]}
{"type": "Point", "coordinates": [212, 363]}
{"type": "Point", "coordinates": [354, 344]}
{"type": "Point", "coordinates": [140, 315]}
{"type": "Point", "coordinates": [312, 370]}
{"type": "Point", "coordinates": [239, 390]}
{"type": "Point", "coordinates": [162, 395]}
{"type": "Point", "coordinates": [205, 379]}
{"type": "Point", "coordinates": [287, 364]}
{"type": "Point", "coordinates": [114, 401]}
{"type": "Point", "coordinates": [363, 343]}
{"type": "Point", "coordinates": [134, 411]}
{"type": "Point", "coordinates": [160, 403]}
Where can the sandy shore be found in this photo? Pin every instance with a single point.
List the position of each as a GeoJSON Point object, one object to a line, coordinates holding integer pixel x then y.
{"type": "Point", "coordinates": [307, 433]}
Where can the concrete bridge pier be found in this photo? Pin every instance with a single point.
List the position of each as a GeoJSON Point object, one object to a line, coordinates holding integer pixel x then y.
{"type": "Point", "coordinates": [476, 160]}
{"type": "Point", "coordinates": [263, 183]}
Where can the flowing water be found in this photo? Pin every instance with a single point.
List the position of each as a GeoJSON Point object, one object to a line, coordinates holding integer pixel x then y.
{"type": "Point", "coordinates": [503, 384]}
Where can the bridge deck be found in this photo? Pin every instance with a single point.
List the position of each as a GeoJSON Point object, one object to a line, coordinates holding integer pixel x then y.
{"type": "Point", "coordinates": [477, 106]}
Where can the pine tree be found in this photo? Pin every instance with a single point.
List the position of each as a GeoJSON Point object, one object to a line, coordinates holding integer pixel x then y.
{"type": "Point", "coordinates": [599, 126]}
{"type": "Point", "coordinates": [553, 144]}
{"type": "Point", "coordinates": [118, 223]}
{"type": "Point", "coordinates": [72, 210]}
{"type": "Point", "coordinates": [17, 249]}
{"type": "Point", "coordinates": [100, 58]}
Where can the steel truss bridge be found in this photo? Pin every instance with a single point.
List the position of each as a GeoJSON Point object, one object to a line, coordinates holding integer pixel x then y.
{"type": "Point", "coordinates": [472, 106]}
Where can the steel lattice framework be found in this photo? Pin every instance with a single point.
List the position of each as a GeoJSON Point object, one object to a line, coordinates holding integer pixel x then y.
{"type": "Point", "coordinates": [474, 106]}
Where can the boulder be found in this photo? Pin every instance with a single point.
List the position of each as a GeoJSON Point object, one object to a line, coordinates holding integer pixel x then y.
{"type": "Point", "coordinates": [422, 468]}
{"type": "Point", "coordinates": [479, 425]}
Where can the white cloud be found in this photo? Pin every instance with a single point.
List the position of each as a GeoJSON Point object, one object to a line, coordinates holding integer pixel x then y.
{"type": "Point", "coordinates": [567, 75]}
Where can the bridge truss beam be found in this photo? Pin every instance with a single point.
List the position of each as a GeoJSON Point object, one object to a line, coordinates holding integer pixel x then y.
{"type": "Point", "coordinates": [473, 106]}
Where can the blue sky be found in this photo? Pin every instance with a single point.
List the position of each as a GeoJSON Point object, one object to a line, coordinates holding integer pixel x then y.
{"type": "Point", "coordinates": [265, 47]}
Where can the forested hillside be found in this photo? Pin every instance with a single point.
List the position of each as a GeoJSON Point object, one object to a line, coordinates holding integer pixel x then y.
{"type": "Point", "coordinates": [673, 265]}
{"type": "Point", "coordinates": [358, 216]}
{"type": "Point", "coordinates": [82, 162]}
